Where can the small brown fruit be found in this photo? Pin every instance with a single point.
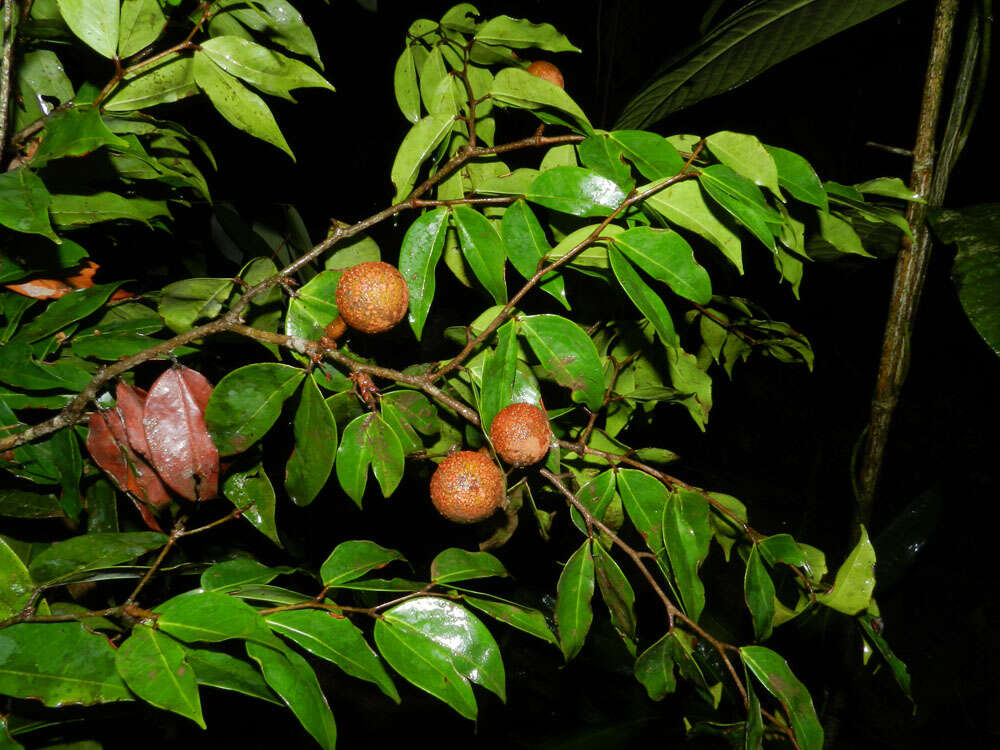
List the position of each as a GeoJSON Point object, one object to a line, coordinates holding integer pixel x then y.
{"type": "Point", "coordinates": [521, 435]}
{"type": "Point", "coordinates": [467, 487]}
{"type": "Point", "coordinates": [372, 297]}
{"type": "Point", "coordinates": [546, 70]}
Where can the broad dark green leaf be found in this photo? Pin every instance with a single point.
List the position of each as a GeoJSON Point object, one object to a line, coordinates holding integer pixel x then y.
{"type": "Point", "coordinates": [455, 564]}
{"type": "Point", "coordinates": [313, 308]}
{"type": "Point", "coordinates": [499, 371]}
{"type": "Point", "coordinates": [409, 441]}
{"type": "Point", "coordinates": [67, 309]}
{"type": "Point", "coordinates": [404, 82]}
{"type": "Point", "coordinates": [95, 22]}
{"type": "Point", "coordinates": [530, 621]}
{"type": "Point", "coordinates": [231, 574]}
{"type": "Point", "coordinates": [655, 668]}
{"type": "Point", "coordinates": [782, 548]}
{"type": "Point", "coordinates": [72, 211]}
{"type": "Point", "coordinates": [686, 535]}
{"type": "Point", "coordinates": [617, 594]}
{"type": "Point", "coordinates": [797, 176]}
{"type": "Point", "coordinates": [291, 677]}
{"type": "Point", "coordinates": [416, 409]}
{"type": "Point", "coordinates": [74, 132]}
{"type": "Point", "coordinates": [59, 664]}
{"type": "Point", "coordinates": [520, 33]}
{"type": "Point", "coordinates": [220, 670]}
{"type": "Point", "coordinates": [278, 21]}
{"type": "Point", "coordinates": [15, 582]}
{"type": "Point", "coordinates": [210, 616]}
{"type": "Point", "coordinates": [855, 581]}
{"type": "Point", "coordinates": [253, 488]}
{"type": "Point", "coordinates": [666, 256]}
{"type": "Point", "coordinates": [753, 738]}
{"type": "Point", "coordinates": [418, 259]}
{"type": "Point", "coordinates": [568, 355]}
{"type": "Point", "coordinates": [312, 457]}
{"type": "Point", "coordinates": [898, 668]}
{"type": "Point", "coordinates": [518, 88]}
{"type": "Point", "coordinates": [166, 81]}
{"type": "Point", "coordinates": [746, 156]}
{"type": "Point", "coordinates": [417, 146]}
{"type": "Point", "coordinates": [388, 460]}
{"type": "Point", "coordinates": [596, 496]}
{"type": "Point", "coordinates": [24, 203]}
{"type": "Point", "coordinates": [839, 233]}
{"type": "Point", "coordinates": [246, 402]}
{"type": "Point", "coordinates": [976, 270]}
{"type": "Point", "coordinates": [277, 595]}
{"type": "Point", "coordinates": [263, 68]}
{"type": "Point", "coordinates": [91, 552]}
{"type": "Point", "coordinates": [526, 245]}
{"type": "Point", "coordinates": [750, 214]}
{"type": "Point", "coordinates": [483, 249]}
{"type": "Point", "coordinates": [574, 591]}
{"type": "Point", "coordinates": [16, 503]}
{"type": "Point", "coordinates": [182, 303]}
{"type": "Point", "coordinates": [334, 638]}
{"type": "Point", "coordinates": [653, 155]}
{"type": "Point", "coordinates": [140, 24]}
{"type": "Point", "coordinates": [774, 674]}
{"type": "Point", "coordinates": [354, 456]}
{"type": "Point", "coordinates": [758, 593]}
{"type": "Point", "coordinates": [644, 298]}
{"type": "Point", "coordinates": [741, 47]}
{"type": "Point", "coordinates": [577, 191]}
{"type": "Point", "coordinates": [645, 500]}
{"type": "Point", "coordinates": [604, 156]}
{"type": "Point", "coordinates": [352, 559]}
{"type": "Point", "coordinates": [153, 666]}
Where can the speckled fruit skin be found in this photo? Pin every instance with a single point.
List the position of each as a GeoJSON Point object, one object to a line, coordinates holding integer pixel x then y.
{"type": "Point", "coordinates": [467, 487]}
{"type": "Point", "coordinates": [372, 297]}
{"type": "Point", "coordinates": [548, 71]}
{"type": "Point", "coordinates": [521, 434]}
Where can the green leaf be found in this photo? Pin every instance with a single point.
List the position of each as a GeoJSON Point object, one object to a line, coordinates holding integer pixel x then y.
{"type": "Point", "coordinates": [855, 581]}
{"type": "Point", "coordinates": [686, 535]}
{"type": "Point", "coordinates": [314, 307]}
{"type": "Point", "coordinates": [520, 33]}
{"type": "Point", "coordinates": [241, 108]}
{"type": "Point", "coordinates": [278, 21]}
{"type": "Point", "coordinates": [840, 234]}
{"type": "Point", "coordinates": [74, 132]}
{"type": "Point", "coordinates": [232, 574]}
{"type": "Point", "coordinates": [291, 677]}
{"type": "Point", "coordinates": [604, 156]}
{"type": "Point", "coordinates": [24, 203]}
{"type": "Point", "coordinates": [455, 564]}
{"type": "Point", "coordinates": [334, 638]}
{"type": "Point", "coordinates": [354, 456]}
{"type": "Point", "coordinates": [183, 303]}
{"type": "Point", "coordinates": [617, 594]}
{"type": "Point", "coordinates": [666, 257]}
{"type": "Point", "coordinates": [432, 72]}
{"type": "Point", "coordinates": [15, 582]}
{"type": "Point", "coordinates": [483, 250]}
{"type": "Point", "coordinates": [71, 211]}
{"type": "Point", "coordinates": [388, 459]}
{"type": "Point", "coordinates": [79, 554]}
{"type": "Point", "coordinates": [976, 270]}
{"type": "Point", "coordinates": [263, 68]}
{"type": "Point", "coordinates": [95, 22]}
{"type": "Point", "coordinates": [758, 593]}
{"type": "Point", "coordinates": [644, 298]}
{"type": "Point", "coordinates": [59, 664]}
{"type": "Point", "coordinates": [418, 259]}
{"type": "Point", "coordinates": [682, 204]}
{"type": "Point", "coordinates": [167, 81]}
{"type": "Point", "coordinates": [417, 146]}
{"type": "Point", "coordinates": [312, 457]}
{"type": "Point", "coordinates": [220, 670]}
{"type": "Point", "coordinates": [246, 402]}
{"type": "Point", "coordinates": [528, 620]}
{"type": "Point", "coordinates": [499, 372]}
{"type": "Point", "coordinates": [430, 624]}
{"type": "Point", "coordinates": [645, 501]}
{"type": "Point", "coordinates": [596, 496]}
{"type": "Point", "coordinates": [891, 187]}
{"type": "Point", "coordinates": [655, 668]}
{"type": "Point", "coordinates": [574, 591]}
{"type": "Point", "coordinates": [741, 47]}
{"type": "Point", "coordinates": [351, 560]}
{"type": "Point", "coordinates": [154, 668]}
{"type": "Point", "coordinates": [67, 309]}
{"type": "Point", "coordinates": [409, 441]}
{"type": "Point", "coordinates": [751, 215]}
{"type": "Point", "coordinates": [404, 82]}
{"type": "Point", "coordinates": [774, 674]}
{"type": "Point", "coordinates": [797, 176]}
{"type": "Point", "coordinates": [526, 245]}
{"type": "Point", "coordinates": [253, 488]}
{"type": "Point", "coordinates": [140, 25]}
{"type": "Point", "coordinates": [899, 669]}
{"type": "Point", "coordinates": [576, 191]}
{"type": "Point", "coordinates": [653, 155]}
{"type": "Point", "coordinates": [745, 155]}
{"type": "Point", "coordinates": [210, 616]}
{"type": "Point", "coordinates": [568, 355]}
{"type": "Point", "coordinates": [518, 88]}
{"type": "Point", "coordinates": [416, 409]}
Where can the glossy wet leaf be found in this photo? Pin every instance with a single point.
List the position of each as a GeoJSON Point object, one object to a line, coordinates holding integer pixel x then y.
{"type": "Point", "coordinates": [404, 82]}
{"type": "Point", "coordinates": [291, 677]}
{"type": "Point", "coordinates": [231, 574]}
{"type": "Point", "coordinates": [279, 22]}
{"type": "Point", "coordinates": [604, 156]}
{"type": "Point", "coordinates": [653, 155]}
{"type": "Point", "coordinates": [574, 591]}
{"type": "Point", "coordinates": [483, 249]}
{"type": "Point", "coordinates": [655, 668]}
{"type": "Point", "coordinates": [261, 67]}
{"type": "Point", "coordinates": [71, 211]}
{"type": "Point", "coordinates": [645, 299]}
{"type": "Point", "coordinates": [74, 132]}
{"type": "Point", "coordinates": [154, 668]}
{"type": "Point", "coordinates": [751, 215]}
{"type": "Point", "coordinates": [683, 204]}
{"type": "Point", "coordinates": [15, 582]}
{"type": "Point", "coordinates": [167, 81]}
{"type": "Point", "coordinates": [79, 554]}
{"type": "Point", "coordinates": [455, 564]}
{"type": "Point", "coordinates": [645, 499]}
{"type": "Point", "coordinates": [745, 155]}
{"type": "Point", "coordinates": [758, 593]}
{"type": "Point", "coordinates": [686, 535]}
{"type": "Point", "coordinates": [409, 441]}
{"type": "Point", "coordinates": [518, 88]}
{"type": "Point", "coordinates": [352, 559]}
{"type": "Point", "coordinates": [95, 22]}
{"type": "Point", "coordinates": [24, 203]}
{"type": "Point", "coordinates": [520, 33]}
{"type": "Point", "coordinates": [220, 670]}
{"type": "Point", "coordinates": [314, 306]}
{"type": "Point", "coordinates": [66, 310]}
{"type": "Point", "coordinates": [333, 637]}
{"type": "Point", "coordinates": [180, 447]}
{"type": "Point", "coordinates": [576, 191]}
{"type": "Point", "coordinates": [183, 303]}
{"type": "Point", "coordinates": [596, 495]}
{"type": "Point", "coordinates": [246, 403]}
{"type": "Point", "coordinates": [59, 664]}
{"type": "Point", "coordinates": [140, 24]}
{"type": "Point", "coordinates": [841, 234]}
{"type": "Point", "coordinates": [855, 581]}
{"type": "Point", "coordinates": [526, 244]}
{"type": "Point", "coordinates": [418, 259]}
{"type": "Point", "coordinates": [252, 488]}
{"type": "Point", "coordinates": [108, 446]}
{"type": "Point", "coordinates": [528, 620]}
{"type": "Point", "coordinates": [388, 459]}
{"type": "Point", "coordinates": [667, 257]}
{"type": "Point", "coordinates": [617, 594]}
{"type": "Point", "coordinates": [797, 176]}
{"type": "Point", "coordinates": [354, 456]}
{"type": "Point", "coordinates": [499, 371]}
{"type": "Point", "coordinates": [209, 616]}
{"type": "Point", "coordinates": [568, 355]}
{"type": "Point", "coordinates": [130, 402]}
{"type": "Point", "coordinates": [417, 146]}
{"type": "Point", "coordinates": [782, 548]}
{"type": "Point", "coordinates": [774, 674]}
{"type": "Point", "coordinates": [416, 409]}
{"type": "Point", "coordinates": [315, 448]}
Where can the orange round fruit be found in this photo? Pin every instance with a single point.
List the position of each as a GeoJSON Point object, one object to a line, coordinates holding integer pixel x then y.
{"type": "Point", "coordinates": [467, 487]}
{"type": "Point", "coordinates": [546, 70]}
{"type": "Point", "coordinates": [521, 435]}
{"type": "Point", "coordinates": [372, 297]}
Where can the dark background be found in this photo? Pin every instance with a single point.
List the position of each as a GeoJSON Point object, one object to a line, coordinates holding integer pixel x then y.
{"type": "Point", "coordinates": [780, 438]}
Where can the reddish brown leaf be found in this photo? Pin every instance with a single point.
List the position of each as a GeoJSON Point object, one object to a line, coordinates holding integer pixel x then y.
{"type": "Point", "coordinates": [131, 403]}
{"type": "Point", "coordinates": [108, 445]}
{"type": "Point", "coordinates": [56, 288]}
{"type": "Point", "coordinates": [179, 444]}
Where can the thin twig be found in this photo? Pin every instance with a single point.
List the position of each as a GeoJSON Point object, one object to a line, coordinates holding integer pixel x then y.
{"type": "Point", "coordinates": [6, 73]}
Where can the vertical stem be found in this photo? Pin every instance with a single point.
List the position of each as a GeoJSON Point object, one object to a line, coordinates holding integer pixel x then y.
{"type": "Point", "coordinates": [6, 66]}
{"type": "Point", "coordinates": [911, 266]}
